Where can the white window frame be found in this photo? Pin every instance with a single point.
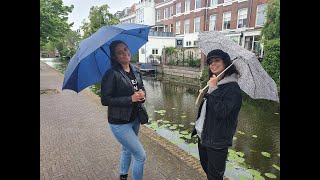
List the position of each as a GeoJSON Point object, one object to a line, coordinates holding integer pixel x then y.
{"type": "Point", "coordinates": [260, 12]}
{"type": "Point", "coordinates": [165, 13]}
{"type": "Point", "coordinates": [177, 27]}
{"type": "Point", "coordinates": [195, 4]}
{"type": "Point", "coordinates": [187, 6]}
{"type": "Point", "coordinates": [242, 17]}
{"type": "Point", "coordinates": [213, 3]}
{"type": "Point", "coordinates": [154, 50]}
{"type": "Point", "coordinates": [158, 15]}
{"type": "Point", "coordinates": [187, 20]}
{"type": "Point", "coordinates": [171, 11]}
{"type": "Point", "coordinates": [195, 24]}
{"type": "Point", "coordinates": [224, 14]}
{"type": "Point", "coordinates": [212, 26]}
{"type": "Point", "coordinates": [178, 8]}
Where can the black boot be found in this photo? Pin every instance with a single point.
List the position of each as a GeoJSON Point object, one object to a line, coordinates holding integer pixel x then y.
{"type": "Point", "coordinates": [123, 177]}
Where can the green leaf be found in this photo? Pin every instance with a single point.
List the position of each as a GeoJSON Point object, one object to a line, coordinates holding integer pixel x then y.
{"type": "Point", "coordinates": [278, 154]}
{"type": "Point", "coordinates": [254, 136]}
{"type": "Point", "coordinates": [173, 127]}
{"type": "Point", "coordinates": [192, 123]}
{"type": "Point", "coordinates": [184, 132]}
{"type": "Point", "coordinates": [181, 125]}
{"type": "Point", "coordinates": [187, 136]}
{"type": "Point", "coordinates": [173, 108]}
{"type": "Point", "coordinates": [162, 114]}
{"type": "Point", "coordinates": [183, 116]}
{"type": "Point", "coordinates": [270, 175]}
{"type": "Point", "coordinates": [229, 167]}
{"type": "Point", "coordinates": [253, 172]}
{"type": "Point", "coordinates": [241, 154]}
{"type": "Point", "coordinates": [266, 154]}
{"type": "Point", "coordinates": [258, 177]}
{"type": "Point", "coordinates": [192, 145]}
{"type": "Point", "coordinates": [166, 121]}
{"type": "Point", "coordinates": [234, 138]}
{"type": "Point", "coordinates": [241, 177]}
{"type": "Point", "coordinates": [240, 132]}
{"type": "Point", "coordinates": [277, 167]}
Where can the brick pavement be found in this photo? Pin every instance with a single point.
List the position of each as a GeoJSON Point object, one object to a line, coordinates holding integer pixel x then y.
{"type": "Point", "coordinates": [77, 143]}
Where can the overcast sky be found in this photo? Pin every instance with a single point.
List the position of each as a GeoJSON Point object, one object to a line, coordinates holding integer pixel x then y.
{"type": "Point", "coordinates": [82, 7]}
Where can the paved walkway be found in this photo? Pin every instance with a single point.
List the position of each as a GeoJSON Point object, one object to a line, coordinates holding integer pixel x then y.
{"type": "Point", "coordinates": [76, 142]}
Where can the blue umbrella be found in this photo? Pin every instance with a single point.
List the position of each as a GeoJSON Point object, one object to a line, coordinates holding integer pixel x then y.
{"type": "Point", "coordinates": [92, 58]}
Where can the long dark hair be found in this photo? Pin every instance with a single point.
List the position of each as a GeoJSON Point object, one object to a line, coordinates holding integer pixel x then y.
{"type": "Point", "coordinates": [112, 48]}
{"type": "Point", "coordinates": [226, 61]}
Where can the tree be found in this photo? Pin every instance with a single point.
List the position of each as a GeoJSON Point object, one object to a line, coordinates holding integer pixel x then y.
{"type": "Point", "coordinates": [169, 51]}
{"type": "Point", "coordinates": [69, 44]}
{"type": "Point", "coordinates": [53, 20]}
{"type": "Point", "coordinates": [271, 29]}
{"type": "Point", "coordinates": [271, 39]}
{"type": "Point", "coordinates": [98, 17]}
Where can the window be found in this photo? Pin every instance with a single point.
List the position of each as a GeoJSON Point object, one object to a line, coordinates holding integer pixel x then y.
{"type": "Point", "coordinates": [142, 50]}
{"type": "Point", "coordinates": [225, 1]}
{"type": "Point", "coordinates": [178, 8]}
{"type": "Point", "coordinates": [187, 6]}
{"type": "Point", "coordinates": [226, 20]}
{"type": "Point", "coordinates": [242, 18]}
{"type": "Point", "coordinates": [154, 51]}
{"type": "Point", "coordinates": [197, 24]}
{"type": "Point", "coordinates": [178, 27]}
{"type": "Point", "coordinates": [186, 26]}
{"type": "Point", "coordinates": [165, 28]}
{"type": "Point", "coordinates": [188, 43]}
{"type": "Point", "coordinates": [252, 44]}
{"type": "Point", "coordinates": [261, 14]}
{"type": "Point", "coordinates": [171, 27]}
{"type": "Point", "coordinates": [165, 13]}
{"type": "Point", "coordinates": [212, 24]}
{"type": "Point", "coordinates": [197, 4]}
{"type": "Point", "coordinates": [213, 2]}
{"type": "Point", "coordinates": [158, 15]}
{"type": "Point", "coordinates": [171, 11]}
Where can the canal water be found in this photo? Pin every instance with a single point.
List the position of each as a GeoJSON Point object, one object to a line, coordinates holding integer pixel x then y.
{"type": "Point", "coordinates": [170, 102]}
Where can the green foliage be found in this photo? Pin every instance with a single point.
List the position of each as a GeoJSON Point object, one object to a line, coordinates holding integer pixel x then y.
{"type": "Point", "coordinates": [49, 46]}
{"type": "Point", "coordinates": [271, 28]}
{"type": "Point", "coordinates": [271, 60]}
{"type": "Point", "coordinates": [68, 45]}
{"type": "Point", "coordinates": [169, 51]}
{"type": "Point", "coordinates": [204, 76]}
{"type": "Point", "coordinates": [135, 57]}
{"type": "Point", "coordinates": [53, 20]}
{"type": "Point", "coordinates": [98, 17]}
{"type": "Point", "coordinates": [194, 63]}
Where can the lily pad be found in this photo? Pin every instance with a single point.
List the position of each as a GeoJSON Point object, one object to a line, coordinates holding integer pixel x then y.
{"type": "Point", "coordinates": [187, 136]}
{"type": "Point", "coordinates": [173, 108]}
{"type": "Point", "coordinates": [240, 132]}
{"type": "Point", "coordinates": [181, 125]}
{"type": "Point", "coordinates": [276, 113]}
{"type": "Point", "coordinates": [183, 116]}
{"type": "Point", "coordinates": [270, 175]}
{"type": "Point", "coordinates": [278, 154]}
{"type": "Point", "coordinates": [229, 167]}
{"type": "Point", "coordinates": [253, 172]}
{"type": "Point", "coordinates": [241, 177]}
{"type": "Point", "coordinates": [275, 166]}
{"type": "Point", "coordinates": [234, 138]}
{"type": "Point", "coordinates": [162, 114]}
{"type": "Point", "coordinates": [254, 136]}
{"type": "Point", "coordinates": [266, 154]}
{"type": "Point", "coordinates": [166, 121]}
{"type": "Point", "coordinates": [253, 150]}
{"type": "Point", "coordinates": [192, 123]}
{"type": "Point", "coordinates": [259, 177]}
{"type": "Point", "coordinates": [173, 127]}
{"type": "Point", "coordinates": [241, 154]}
{"type": "Point", "coordinates": [184, 132]}
{"type": "Point", "coordinates": [160, 120]}
{"type": "Point", "coordinates": [192, 145]}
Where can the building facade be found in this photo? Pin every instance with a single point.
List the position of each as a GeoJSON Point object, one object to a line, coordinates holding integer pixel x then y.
{"type": "Point", "coordinates": [241, 20]}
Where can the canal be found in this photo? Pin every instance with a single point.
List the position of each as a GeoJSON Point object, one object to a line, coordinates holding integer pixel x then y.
{"type": "Point", "coordinates": [170, 102]}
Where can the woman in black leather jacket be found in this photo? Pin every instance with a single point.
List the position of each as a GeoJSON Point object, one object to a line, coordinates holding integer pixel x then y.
{"type": "Point", "coordinates": [218, 115]}
{"type": "Point", "coordinates": [121, 90]}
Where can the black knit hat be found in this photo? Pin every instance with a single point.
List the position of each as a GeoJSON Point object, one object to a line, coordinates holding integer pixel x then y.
{"type": "Point", "coordinates": [218, 53]}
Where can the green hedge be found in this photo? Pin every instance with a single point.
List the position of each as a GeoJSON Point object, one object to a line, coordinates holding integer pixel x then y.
{"type": "Point", "coordinates": [271, 59]}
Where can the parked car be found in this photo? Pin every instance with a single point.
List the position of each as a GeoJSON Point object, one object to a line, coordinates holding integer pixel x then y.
{"type": "Point", "coordinates": [147, 69]}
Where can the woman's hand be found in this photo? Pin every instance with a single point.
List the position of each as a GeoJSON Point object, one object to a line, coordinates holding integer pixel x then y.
{"type": "Point", "coordinates": [213, 81]}
{"type": "Point", "coordinates": [138, 96]}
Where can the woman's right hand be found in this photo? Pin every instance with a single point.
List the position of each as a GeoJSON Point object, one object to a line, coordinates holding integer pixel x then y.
{"type": "Point", "coordinates": [137, 97]}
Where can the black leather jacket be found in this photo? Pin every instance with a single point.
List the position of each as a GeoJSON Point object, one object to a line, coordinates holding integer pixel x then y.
{"type": "Point", "coordinates": [116, 92]}
{"type": "Point", "coordinates": [221, 119]}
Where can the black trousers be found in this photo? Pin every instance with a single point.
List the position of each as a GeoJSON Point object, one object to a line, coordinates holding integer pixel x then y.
{"type": "Point", "coordinates": [213, 161]}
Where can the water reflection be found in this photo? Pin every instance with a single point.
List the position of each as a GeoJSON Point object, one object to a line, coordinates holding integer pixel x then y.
{"type": "Point", "coordinates": [259, 120]}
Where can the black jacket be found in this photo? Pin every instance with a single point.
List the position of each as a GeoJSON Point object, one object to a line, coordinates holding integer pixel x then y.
{"type": "Point", "coordinates": [221, 119]}
{"type": "Point", "coordinates": [116, 92]}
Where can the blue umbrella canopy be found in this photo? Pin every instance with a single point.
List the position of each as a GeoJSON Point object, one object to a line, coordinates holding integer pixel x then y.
{"type": "Point", "coordinates": [92, 59]}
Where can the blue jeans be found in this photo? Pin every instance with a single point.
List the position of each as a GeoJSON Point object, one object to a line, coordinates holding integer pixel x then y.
{"type": "Point", "coordinates": [127, 135]}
